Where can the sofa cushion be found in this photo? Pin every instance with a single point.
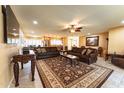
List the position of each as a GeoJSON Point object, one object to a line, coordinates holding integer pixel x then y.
{"type": "Point", "coordinates": [38, 50]}
{"type": "Point", "coordinates": [89, 51]}
{"type": "Point", "coordinates": [53, 49]}
{"type": "Point", "coordinates": [43, 50]}
{"type": "Point", "coordinates": [42, 54]}
{"type": "Point", "coordinates": [74, 49]}
{"type": "Point", "coordinates": [79, 50]}
{"type": "Point", "coordinates": [52, 53]}
{"type": "Point", "coordinates": [84, 57]}
{"type": "Point", "coordinates": [48, 49]}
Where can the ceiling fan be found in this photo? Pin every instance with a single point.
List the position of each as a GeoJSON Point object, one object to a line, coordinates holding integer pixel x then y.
{"type": "Point", "coordinates": [73, 28]}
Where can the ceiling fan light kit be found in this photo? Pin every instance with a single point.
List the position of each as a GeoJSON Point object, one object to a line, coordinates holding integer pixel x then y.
{"type": "Point", "coordinates": [72, 30]}
{"type": "Point", "coordinates": [75, 28]}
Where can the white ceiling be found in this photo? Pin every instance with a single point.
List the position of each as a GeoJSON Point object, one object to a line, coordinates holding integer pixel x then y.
{"type": "Point", "coordinates": [53, 18]}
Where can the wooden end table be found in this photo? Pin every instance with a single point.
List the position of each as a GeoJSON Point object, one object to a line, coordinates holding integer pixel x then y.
{"type": "Point", "coordinates": [23, 59]}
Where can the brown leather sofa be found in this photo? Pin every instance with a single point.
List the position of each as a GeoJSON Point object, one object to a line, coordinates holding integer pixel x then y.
{"type": "Point", "coordinates": [118, 60]}
{"type": "Point", "coordinates": [85, 57]}
{"type": "Point", "coordinates": [46, 52]}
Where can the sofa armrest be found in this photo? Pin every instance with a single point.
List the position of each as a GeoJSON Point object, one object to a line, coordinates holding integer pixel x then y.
{"type": "Point", "coordinates": [93, 57]}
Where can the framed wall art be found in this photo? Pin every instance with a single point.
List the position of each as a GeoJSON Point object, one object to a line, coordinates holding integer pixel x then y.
{"type": "Point", "coordinates": [92, 41]}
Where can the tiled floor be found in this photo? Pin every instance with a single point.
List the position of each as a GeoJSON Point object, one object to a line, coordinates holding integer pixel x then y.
{"type": "Point", "coordinates": [116, 80]}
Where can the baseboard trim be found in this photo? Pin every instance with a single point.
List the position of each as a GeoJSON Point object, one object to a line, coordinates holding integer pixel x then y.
{"type": "Point", "coordinates": [10, 82]}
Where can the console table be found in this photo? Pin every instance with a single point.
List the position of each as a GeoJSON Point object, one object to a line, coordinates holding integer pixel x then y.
{"type": "Point", "coordinates": [23, 58]}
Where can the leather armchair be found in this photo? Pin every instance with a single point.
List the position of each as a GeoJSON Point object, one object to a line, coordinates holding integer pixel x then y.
{"type": "Point", "coordinates": [118, 60]}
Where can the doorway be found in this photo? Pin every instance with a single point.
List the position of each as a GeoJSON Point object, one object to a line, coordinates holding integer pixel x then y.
{"type": "Point", "coordinates": [73, 41]}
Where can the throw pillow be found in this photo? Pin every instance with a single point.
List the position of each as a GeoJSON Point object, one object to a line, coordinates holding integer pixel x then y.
{"type": "Point", "coordinates": [88, 52]}
{"type": "Point", "coordinates": [43, 50]}
{"type": "Point", "coordinates": [38, 50]}
{"type": "Point", "coordinates": [83, 51]}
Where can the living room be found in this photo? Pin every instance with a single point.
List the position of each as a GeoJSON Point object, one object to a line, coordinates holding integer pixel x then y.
{"type": "Point", "coordinates": [62, 49]}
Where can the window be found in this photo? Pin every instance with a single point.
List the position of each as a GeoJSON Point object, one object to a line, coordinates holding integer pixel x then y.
{"type": "Point", "coordinates": [14, 41]}
{"type": "Point", "coordinates": [56, 42]}
{"type": "Point", "coordinates": [29, 42]}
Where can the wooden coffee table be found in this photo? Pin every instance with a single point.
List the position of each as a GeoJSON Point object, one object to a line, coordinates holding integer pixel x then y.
{"type": "Point", "coordinates": [73, 59]}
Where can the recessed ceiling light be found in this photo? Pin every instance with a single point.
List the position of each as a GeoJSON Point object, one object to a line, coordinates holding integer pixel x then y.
{"type": "Point", "coordinates": [35, 22]}
{"type": "Point", "coordinates": [32, 32]}
{"type": "Point", "coordinates": [13, 29]}
{"type": "Point", "coordinates": [122, 21]}
{"type": "Point", "coordinates": [89, 33]}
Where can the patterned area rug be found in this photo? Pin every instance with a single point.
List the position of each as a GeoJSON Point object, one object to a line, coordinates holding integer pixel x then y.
{"type": "Point", "coordinates": [59, 73]}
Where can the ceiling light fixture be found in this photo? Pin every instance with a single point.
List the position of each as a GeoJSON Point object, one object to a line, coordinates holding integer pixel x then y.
{"type": "Point", "coordinates": [122, 21]}
{"type": "Point", "coordinates": [32, 32]}
{"type": "Point", "coordinates": [35, 22]}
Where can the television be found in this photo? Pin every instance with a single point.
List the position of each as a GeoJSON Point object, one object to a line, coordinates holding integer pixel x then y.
{"type": "Point", "coordinates": [11, 25]}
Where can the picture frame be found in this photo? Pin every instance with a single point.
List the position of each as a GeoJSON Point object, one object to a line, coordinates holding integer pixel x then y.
{"type": "Point", "coordinates": [92, 41]}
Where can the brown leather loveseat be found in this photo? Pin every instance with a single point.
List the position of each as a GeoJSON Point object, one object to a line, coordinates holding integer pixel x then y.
{"type": "Point", "coordinates": [118, 60]}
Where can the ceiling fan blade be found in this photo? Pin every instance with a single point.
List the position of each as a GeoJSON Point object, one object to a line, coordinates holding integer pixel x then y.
{"type": "Point", "coordinates": [79, 27]}
{"type": "Point", "coordinates": [77, 30]}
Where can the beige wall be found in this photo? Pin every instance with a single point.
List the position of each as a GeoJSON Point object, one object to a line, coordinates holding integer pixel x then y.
{"type": "Point", "coordinates": [6, 53]}
{"type": "Point", "coordinates": [65, 41]}
{"type": "Point", "coordinates": [81, 41]}
{"type": "Point", "coordinates": [6, 71]}
{"type": "Point", "coordinates": [1, 26]}
{"type": "Point", "coordinates": [116, 40]}
{"type": "Point", "coordinates": [102, 40]}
